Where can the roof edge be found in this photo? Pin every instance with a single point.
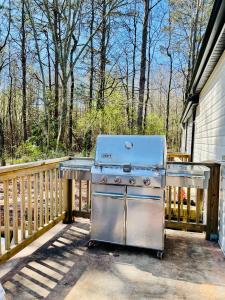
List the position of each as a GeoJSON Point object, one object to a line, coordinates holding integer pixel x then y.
{"type": "Point", "coordinates": [212, 33]}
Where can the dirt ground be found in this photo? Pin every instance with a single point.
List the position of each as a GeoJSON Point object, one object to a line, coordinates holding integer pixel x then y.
{"type": "Point", "coordinates": [64, 268]}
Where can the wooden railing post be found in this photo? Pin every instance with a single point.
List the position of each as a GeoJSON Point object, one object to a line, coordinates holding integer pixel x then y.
{"type": "Point", "coordinates": [67, 199]}
{"type": "Point", "coordinates": [213, 202]}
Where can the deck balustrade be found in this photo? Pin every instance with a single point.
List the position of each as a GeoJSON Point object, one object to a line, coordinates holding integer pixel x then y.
{"type": "Point", "coordinates": [33, 198]}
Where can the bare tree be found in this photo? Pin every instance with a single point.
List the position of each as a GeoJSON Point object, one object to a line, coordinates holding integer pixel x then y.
{"type": "Point", "coordinates": [169, 54]}
{"type": "Point", "coordinates": [142, 80]}
{"type": "Point", "coordinates": [24, 70]}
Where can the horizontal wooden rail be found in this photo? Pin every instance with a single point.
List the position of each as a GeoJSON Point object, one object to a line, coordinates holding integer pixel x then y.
{"type": "Point", "coordinates": [39, 163]}
{"type": "Point", "coordinates": [184, 157]}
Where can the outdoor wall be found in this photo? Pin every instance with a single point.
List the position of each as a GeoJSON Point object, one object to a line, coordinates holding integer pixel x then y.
{"type": "Point", "coordinates": [209, 141]}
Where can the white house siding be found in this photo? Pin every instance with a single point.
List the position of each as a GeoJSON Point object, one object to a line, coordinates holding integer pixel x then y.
{"type": "Point", "coordinates": [209, 142]}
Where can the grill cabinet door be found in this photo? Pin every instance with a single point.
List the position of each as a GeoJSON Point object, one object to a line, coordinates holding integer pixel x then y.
{"type": "Point", "coordinates": [145, 219]}
{"type": "Point", "coordinates": [108, 215]}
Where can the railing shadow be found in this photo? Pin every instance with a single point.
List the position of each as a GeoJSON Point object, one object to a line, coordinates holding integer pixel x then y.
{"type": "Point", "coordinates": [51, 267]}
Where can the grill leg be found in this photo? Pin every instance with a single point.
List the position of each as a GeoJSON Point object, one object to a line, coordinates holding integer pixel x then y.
{"type": "Point", "coordinates": [69, 209]}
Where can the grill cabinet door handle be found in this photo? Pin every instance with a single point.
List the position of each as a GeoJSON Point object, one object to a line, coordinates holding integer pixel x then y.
{"type": "Point", "coordinates": [144, 197]}
{"type": "Point", "coordinates": [111, 195]}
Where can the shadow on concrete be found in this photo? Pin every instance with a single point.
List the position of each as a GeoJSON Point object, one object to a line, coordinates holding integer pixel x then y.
{"type": "Point", "coordinates": [65, 266]}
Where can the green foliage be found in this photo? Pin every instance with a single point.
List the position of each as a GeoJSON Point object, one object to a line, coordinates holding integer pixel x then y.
{"type": "Point", "coordinates": [111, 119]}
{"type": "Point", "coordinates": [27, 152]}
{"type": "Point", "coordinates": [155, 124]}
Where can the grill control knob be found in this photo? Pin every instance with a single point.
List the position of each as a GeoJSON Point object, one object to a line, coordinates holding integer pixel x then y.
{"type": "Point", "coordinates": [131, 180]}
{"type": "Point", "coordinates": [117, 179]}
{"type": "Point", "coordinates": [146, 181]}
{"type": "Point", "coordinates": [103, 179]}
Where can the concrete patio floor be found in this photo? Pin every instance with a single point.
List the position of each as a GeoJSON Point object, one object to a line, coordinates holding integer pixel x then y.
{"type": "Point", "coordinates": [63, 268]}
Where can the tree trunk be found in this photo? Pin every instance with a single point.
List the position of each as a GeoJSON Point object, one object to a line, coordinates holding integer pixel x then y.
{"type": "Point", "coordinates": [2, 143]}
{"type": "Point", "coordinates": [56, 74]}
{"type": "Point", "coordinates": [101, 94]}
{"type": "Point", "coordinates": [92, 56]}
{"type": "Point", "coordinates": [49, 63]}
{"type": "Point", "coordinates": [10, 112]}
{"type": "Point", "coordinates": [24, 70]}
{"type": "Point", "coordinates": [143, 67]}
{"type": "Point", "coordinates": [148, 77]}
{"type": "Point", "coordinates": [170, 80]}
{"type": "Point", "coordinates": [70, 134]}
{"type": "Point", "coordinates": [133, 71]}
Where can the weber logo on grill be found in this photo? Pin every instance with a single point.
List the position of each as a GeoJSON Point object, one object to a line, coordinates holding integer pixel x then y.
{"type": "Point", "coordinates": [106, 155]}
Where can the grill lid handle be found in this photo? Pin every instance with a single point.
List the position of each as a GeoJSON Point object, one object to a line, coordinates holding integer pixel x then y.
{"type": "Point", "coordinates": [127, 168]}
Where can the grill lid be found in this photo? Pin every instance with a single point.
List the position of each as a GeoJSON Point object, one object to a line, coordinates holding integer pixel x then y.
{"type": "Point", "coordinates": [135, 150]}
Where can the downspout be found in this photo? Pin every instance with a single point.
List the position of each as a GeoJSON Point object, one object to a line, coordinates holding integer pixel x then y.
{"type": "Point", "coordinates": [193, 132]}
{"type": "Point", "coordinates": [186, 129]}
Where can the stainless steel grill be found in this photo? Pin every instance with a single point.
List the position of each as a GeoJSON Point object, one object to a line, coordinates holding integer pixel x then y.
{"type": "Point", "coordinates": [129, 175]}
{"type": "Point", "coordinates": [128, 181]}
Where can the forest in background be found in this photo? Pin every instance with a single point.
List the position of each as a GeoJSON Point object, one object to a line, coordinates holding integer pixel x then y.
{"type": "Point", "coordinates": [72, 69]}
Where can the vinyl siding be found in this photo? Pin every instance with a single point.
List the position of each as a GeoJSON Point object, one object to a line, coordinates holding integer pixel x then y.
{"type": "Point", "coordinates": [209, 142]}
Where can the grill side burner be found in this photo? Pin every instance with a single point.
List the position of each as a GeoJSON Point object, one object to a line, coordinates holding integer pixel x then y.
{"type": "Point", "coordinates": [128, 181]}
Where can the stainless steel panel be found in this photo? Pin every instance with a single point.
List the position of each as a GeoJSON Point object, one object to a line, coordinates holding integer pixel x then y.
{"type": "Point", "coordinates": [156, 177]}
{"type": "Point", "coordinates": [107, 188]}
{"type": "Point", "coordinates": [108, 214]}
{"type": "Point", "coordinates": [187, 181]}
{"type": "Point", "coordinates": [75, 174]}
{"type": "Point", "coordinates": [144, 191]}
{"type": "Point", "coordinates": [145, 218]}
{"type": "Point", "coordinates": [131, 149]}
{"type": "Point", "coordinates": [187, 176]}
{"type": "Point", "coordinates": [76, 168]}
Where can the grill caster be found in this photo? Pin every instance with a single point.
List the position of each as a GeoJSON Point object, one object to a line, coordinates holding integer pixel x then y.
{"type": "Point", "coordinates": [160, 254]}
{"type": "Point", "coordinates": [91, 244]}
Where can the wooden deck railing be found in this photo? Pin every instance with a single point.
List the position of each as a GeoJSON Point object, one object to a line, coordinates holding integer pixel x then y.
{"type": "Point", "coordinates": [82, 198]}
{"type": "Point", "coordinates": [186, 210]}
{"type": "Point", "coordinates": [33, 198]}
{"type": "Point", "coordinates": [184, 157]}
{"type": "Point", "coordinates": [31, 202]}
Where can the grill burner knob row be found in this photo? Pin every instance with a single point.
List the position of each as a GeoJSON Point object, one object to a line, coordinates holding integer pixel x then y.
{"type": "Point", "coordinates": [103, 179]}
{"type": "Point", "coordinates": [117, 179]}
{"type": "Point", "coordinates": [131, 180]}
{"type": "Point", "coordinates": [146, 181]}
